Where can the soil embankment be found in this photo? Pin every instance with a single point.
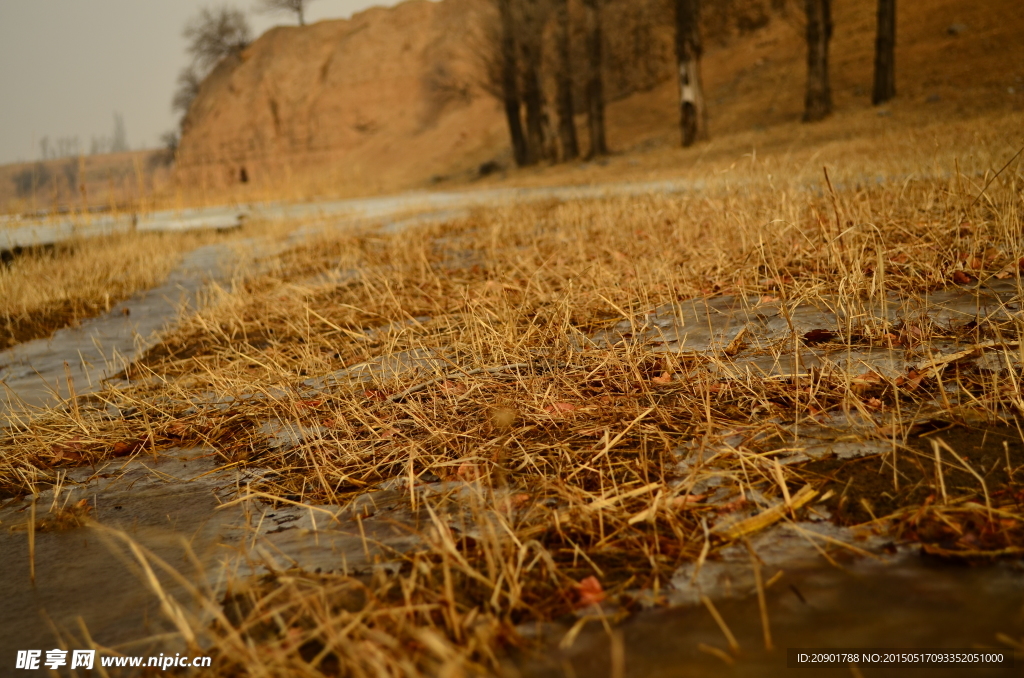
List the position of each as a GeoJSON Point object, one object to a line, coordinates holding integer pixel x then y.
{"type": "Point", "coordinates": [397, 97]}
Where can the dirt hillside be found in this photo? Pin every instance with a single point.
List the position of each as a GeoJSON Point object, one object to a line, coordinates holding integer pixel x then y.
{"type": "Point", "coordinates": [383, 99]}
{"type": "Point", "coordinates": [396, 97]}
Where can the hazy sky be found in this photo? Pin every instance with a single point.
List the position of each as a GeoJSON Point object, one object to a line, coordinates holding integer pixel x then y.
{"type": "Point", "coordinates": [67, 65]}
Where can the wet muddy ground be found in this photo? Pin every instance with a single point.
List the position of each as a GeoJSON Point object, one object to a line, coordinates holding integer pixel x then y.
{"type": "Point", "coordinates": [182, 510]}
{"type": "Point", "coordinates": [828, 584]}
{"type": "Point", "coordinates": [900, 601]}
{"type": "Point", "coordinates": [116, 540]}
{"type": "Point", "coordinates": [37, 373]}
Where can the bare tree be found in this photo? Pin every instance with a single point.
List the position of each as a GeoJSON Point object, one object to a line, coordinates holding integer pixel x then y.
{"type": "Point", "coordinates": [595, 81]}
{"type": "Point", "coordinates": [187, 90]}
{"type": "Point", "coordinates": [215, 34]}
{"type": "Point", "coordinates": [818, 100]}
{"type": "Point", "coordinates": [563, 77]}
{"type": "Point", "coordinates": [885, 53]}
{"type": "Point", "coordinates": [531, 34]}
{"type": "Point", "coordinates": [31, 179]}
{"type": "Point", "coordinates": [71, 168]}
{"type": "Point", "coordinates": [170, 140]}
{"type": "Point", "coordinates": [298, 7]}
{"type": "Point", "coordinates": [509, 76]}
{"type": "Point", "coordinates": [119, 140]}
{"type": "Point", "coordinates": [692, 111]}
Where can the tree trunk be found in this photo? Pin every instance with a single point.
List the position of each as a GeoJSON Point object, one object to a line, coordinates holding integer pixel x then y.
{"type": "Point", "coordinates": [885, 53]}
{"type": "Point", "coordinates": [510, 82]}
{"type": "Point", "coordinates": [531, 36]}
{"type": "Point", "coordinates": [693, 115]}
{"type": "Point", "coordinates": [818, 102]}
{"type": "Point", "coordinates": [566, 110]}
{"type": "Point", "coordinates": [595, 82]}
{"type": "Point", "coordinates": [533, 98]}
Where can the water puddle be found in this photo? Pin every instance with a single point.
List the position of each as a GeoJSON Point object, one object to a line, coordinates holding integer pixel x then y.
{"type": "Point", "coordinates": [901, 601]}
{"type": "Point", "coordinates": [37, 373]}
{"type": "Point", "coordinates": [36, 233]}
{"type": "Point", "coordinates": [189, 510]}
{"type": "Point", "coordinates": [768, 337]}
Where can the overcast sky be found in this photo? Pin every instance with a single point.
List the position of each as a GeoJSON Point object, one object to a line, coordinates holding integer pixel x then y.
{"type": "Point", "coordinates": [66, 66]}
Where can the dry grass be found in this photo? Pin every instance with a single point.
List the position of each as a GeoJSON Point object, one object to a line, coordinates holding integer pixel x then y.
{"type": "Point", "coordinates": [45, 290]}
{"type": "Point", "coordinates": [562, 452]}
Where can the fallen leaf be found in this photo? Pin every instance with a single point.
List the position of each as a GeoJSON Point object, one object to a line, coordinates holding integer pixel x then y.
{"type": "Point", "coordinates": [453, 387]}
{"type": "Point", "coordinates": [467, 471]}
{"type": "Point", "coordinates": [664, 378]}
{"type": "Point", "coordinates": [961, 278]}
{"type": "Point", "coordinates": [590, 592]}
{"type": "Point", "coordinates": [519, 500]}
{"type": "Point", "coordinates": [683, 500]}
{"type": "Point", "coordinates": [177, 429]}
{"type": "Point", "coordinates": [818, 336]}
{"type": "Point", "coordinates": [873, 404]}
{"type": "Point", "coordinates": [734, 505]}
{"type": "Point", "coordinates": [126, 447]}
{"type": "Point", "coordinates": [73, 450]}
{"type": "Point", "coordinates": [374, 394]}
{"type": "Point", "coordinates": [891, 339]}
{"type": "Point", "coordinates": [863, 383]}
{"type": "Point", "coordinates": [911, 382]}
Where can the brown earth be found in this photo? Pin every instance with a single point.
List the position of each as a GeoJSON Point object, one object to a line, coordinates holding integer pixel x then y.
{"type": "Point", "coordinates": [351, 97]}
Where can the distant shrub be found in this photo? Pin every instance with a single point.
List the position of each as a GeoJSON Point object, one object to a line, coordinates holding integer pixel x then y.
{"type": "Point", "coordinates": [31, 179]}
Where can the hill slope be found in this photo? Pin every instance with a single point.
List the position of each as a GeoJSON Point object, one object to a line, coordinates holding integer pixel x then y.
{"type": "Point", "coordinates": [394, 97]}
